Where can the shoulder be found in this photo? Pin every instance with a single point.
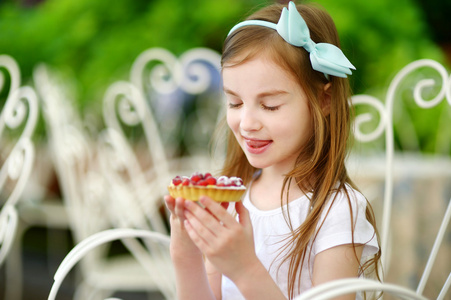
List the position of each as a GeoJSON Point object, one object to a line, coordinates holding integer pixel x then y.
{"type": "Point", "coordinates": [348, 191]}
{"type": "Point", "coordinates": [347, 197]}
{"type": "Point", "coordinates": [345, 209]}
{"type": "Point", "coordinates": [344, 221]}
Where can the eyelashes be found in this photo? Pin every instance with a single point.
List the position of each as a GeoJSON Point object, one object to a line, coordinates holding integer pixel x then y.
{"type": "Point", "coordinates": [232, 105]}
{"type": "Point", "coordinates": [270, 108]}
{"type": "Point", "coordinates": [238, 105]}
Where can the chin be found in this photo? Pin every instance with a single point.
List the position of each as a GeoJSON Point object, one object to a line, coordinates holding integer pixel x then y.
{"type": "Point", "coordinates": [257, 163]}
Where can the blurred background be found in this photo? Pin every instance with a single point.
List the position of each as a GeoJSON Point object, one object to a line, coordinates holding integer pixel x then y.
{"type": "Point", "coordinates": [94, 43]}
{"type": "Point", "coordinates": [88, 46]}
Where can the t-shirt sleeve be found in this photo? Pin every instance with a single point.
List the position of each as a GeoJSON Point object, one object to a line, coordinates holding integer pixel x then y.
{"type": "Point", "coordinates": [336, 228]}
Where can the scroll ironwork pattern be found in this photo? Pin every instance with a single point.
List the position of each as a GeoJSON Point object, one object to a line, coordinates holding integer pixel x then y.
{"type": "Point", "coordinates": [385, 124]}
{"type": "Point", "coordinates": [18, 117]}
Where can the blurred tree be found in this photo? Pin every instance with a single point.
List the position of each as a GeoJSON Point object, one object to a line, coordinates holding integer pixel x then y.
{"type": "Point", "coordinates": [98, 40]}
{"type": "Point", "coordinates": [437, 17]}
{"type": "Point", "coordinates": [381, 37]}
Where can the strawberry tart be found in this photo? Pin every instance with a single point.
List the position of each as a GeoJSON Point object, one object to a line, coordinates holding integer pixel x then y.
{"type": "Point", "coordinates": [220, 189]}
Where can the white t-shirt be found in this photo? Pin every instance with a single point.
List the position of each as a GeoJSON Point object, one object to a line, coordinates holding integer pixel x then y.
{"type": "Point", "coordinates": [270, 229]}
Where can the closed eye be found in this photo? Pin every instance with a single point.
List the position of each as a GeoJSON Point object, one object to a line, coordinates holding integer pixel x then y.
{"type": "Point", "coordinates": [270, 108]}
{"type": "Point", "coordinates": [234, 105]}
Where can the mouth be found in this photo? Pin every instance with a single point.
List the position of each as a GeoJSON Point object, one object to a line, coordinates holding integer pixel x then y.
{"type": "Point", "coordinates": [256, 146]}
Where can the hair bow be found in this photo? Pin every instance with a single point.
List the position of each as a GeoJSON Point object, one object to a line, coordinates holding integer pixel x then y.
{"type": "Point", "coordinates": [324, 57]}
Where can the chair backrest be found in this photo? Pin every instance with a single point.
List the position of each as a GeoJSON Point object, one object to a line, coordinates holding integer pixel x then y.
{"type": "Point", "coordinates": [186, 98]}
{"type": "Point", "coordinates": [389, 174]}
{"type": "Point", "coordinates": [161, 269]}
{"type": "Point", "coordinates": [392, 168]}
{"type": "Point", "coordinates": [18, 120]}
{"type": "Point", "coordinates": [151, 110]}
{"type": "Point", "coordinates": [73, 155]}
{"type": "Point", "coordinates": [91, 192]}
{"type": "Point", "coordinates": [351, 285]}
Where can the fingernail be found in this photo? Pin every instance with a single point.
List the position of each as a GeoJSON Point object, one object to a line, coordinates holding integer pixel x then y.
{"type": "Point", "coordinates": [186, 223]}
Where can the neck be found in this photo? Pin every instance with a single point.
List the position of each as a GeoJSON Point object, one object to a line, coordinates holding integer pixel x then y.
{"type": "Point", "coordinates": [266, 190]}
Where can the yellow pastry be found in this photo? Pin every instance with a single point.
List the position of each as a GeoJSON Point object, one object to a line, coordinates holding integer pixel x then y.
{"type": "Point", "coordinates": [221, 189]}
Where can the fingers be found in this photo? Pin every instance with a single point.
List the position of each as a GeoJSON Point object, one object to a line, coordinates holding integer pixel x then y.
{"type": "Point", "coordinates": [203, 213]}
{"type": "Point", "coordinates": [176, 207]}
{"type": "Point", "coordinates": [206, 224]}
{"type": "Point", "coordinates": [170, 203]}
{"type": "Point", "coordinates": [243, 213]}
{"type": "Point", "coordinates": [198, 232]}
{"type": "Point", "coordinates": [244, 217]}
{"type": "Point", "coordinates": [206, 218]}
{"type": "Point", "coordinates": [180, 208]}
{"type": "Point", "coordinates": [213, 213]}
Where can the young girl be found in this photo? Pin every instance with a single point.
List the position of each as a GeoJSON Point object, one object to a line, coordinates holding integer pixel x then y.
{"type": "Point", "coordinates": [302, 222]}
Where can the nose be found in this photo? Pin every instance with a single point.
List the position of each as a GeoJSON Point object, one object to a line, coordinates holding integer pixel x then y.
{"type": "Point", "coordinates": [250, 120]}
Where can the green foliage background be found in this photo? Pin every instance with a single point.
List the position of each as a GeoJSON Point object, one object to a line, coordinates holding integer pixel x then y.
{"type": "Point", "coordinates": [95, 42]}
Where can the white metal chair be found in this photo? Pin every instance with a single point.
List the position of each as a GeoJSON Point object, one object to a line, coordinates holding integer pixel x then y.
{"type": "Point", "coordinates": [18, 120]}
{"type": "Point", "coordinates": [391, 171]}
{"type": "Point", "coordinates": [168, 84]}
{"type": "Point", "coordinates": [157, 240]}
{"type": "Point", "coordinates": [136, 190]}
{"type": "Point", "coordinates": [345, 286]}
{"type": "Point", "coordinates": [85, 196]}
{"type": "Point", "coordinates": [134, 195]}
{"type": "Point", "coordinates": [133, 105]}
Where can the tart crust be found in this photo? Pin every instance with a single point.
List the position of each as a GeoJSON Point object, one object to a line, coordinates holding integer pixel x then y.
{"type": "Point", "coordinates": [217, 193]}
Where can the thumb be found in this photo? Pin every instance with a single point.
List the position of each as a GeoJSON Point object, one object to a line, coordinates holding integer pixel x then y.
{"type": "Point", "coordinates": [243, 215]}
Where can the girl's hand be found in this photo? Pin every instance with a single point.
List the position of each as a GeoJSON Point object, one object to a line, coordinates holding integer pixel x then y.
{"type": "Point", "coordinates": [228, 244]}
{"type": "Point", "coordinates": [181, 245]}
{"type": "Point", "coordinates": [190, 274]}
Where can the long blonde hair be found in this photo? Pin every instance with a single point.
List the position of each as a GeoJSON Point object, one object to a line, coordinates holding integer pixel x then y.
{"type": "Point", "coordinates": [320, 168]}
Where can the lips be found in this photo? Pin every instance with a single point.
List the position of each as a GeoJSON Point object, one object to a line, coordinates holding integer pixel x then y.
{"type": "Point", "coordinates": [256, 146]}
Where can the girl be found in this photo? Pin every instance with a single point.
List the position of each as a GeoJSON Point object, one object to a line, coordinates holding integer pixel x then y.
{"type": "Point", "coordinates": [302, 222]}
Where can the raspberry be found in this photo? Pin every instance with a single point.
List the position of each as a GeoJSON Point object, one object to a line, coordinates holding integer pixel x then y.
{"type": "Point", "coordinates": [223, 181]}
{"type": "Point", "coordinates": [177, 180]}
{"type": "Point", "coordinates": [200, 179]}
{"type": "Point", "coordinates": [202, 182]}
{"type": "Point", "coordinates": [210, 180]}
{"type": "Point", "coordinates": [196, 177]}
{"type": "Point", "coordinates": [236, 181]}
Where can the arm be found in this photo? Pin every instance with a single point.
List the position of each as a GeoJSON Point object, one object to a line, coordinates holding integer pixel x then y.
{"type": "Point", "coordinates": [214, 278]}
{"type": "Point", "coordinates": [190, 273]}
{"type": "Point", "coordinates": [337, 263]}
{"type": "Point", "coordinates": [229, 247]}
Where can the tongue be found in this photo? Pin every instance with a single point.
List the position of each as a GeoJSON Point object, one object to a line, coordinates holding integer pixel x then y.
{"type": "Point", "coordinates": [257, 144]}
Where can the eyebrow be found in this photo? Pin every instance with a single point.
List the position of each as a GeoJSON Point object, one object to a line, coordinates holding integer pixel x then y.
{"type": "Point", "coordinates": [261, 95]}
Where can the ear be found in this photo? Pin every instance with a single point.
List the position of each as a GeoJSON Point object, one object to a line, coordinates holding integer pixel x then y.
{"type": "Point", "coordinates": [325, 98]}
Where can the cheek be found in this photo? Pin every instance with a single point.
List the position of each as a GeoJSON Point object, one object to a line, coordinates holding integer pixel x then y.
{"type": "Point", "coordinates": [232, 121]}
{"type": "Point", "coordinates": [296, 127]}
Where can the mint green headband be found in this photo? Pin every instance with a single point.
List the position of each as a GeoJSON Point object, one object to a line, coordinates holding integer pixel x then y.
{"type": "Point", "coordinates": [325, 57]}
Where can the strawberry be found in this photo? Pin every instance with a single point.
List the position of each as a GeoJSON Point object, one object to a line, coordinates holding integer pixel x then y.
{"type": "Point", "coordinates": [186, 181]}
